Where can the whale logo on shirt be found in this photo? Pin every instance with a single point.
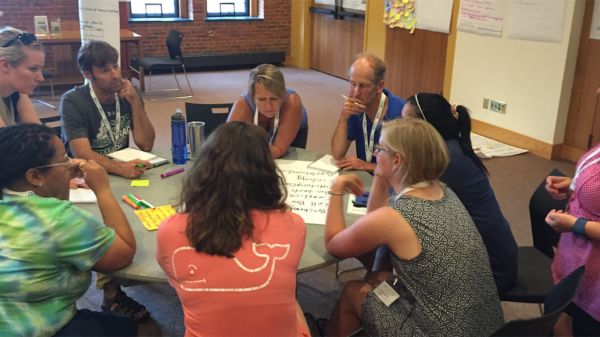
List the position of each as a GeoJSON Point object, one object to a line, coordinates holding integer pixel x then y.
{"type": "Point", "coordinates": [235, 274]}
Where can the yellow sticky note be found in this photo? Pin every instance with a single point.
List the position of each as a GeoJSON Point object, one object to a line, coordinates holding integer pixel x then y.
{"type": "Point", "coordinates": [151, 218]}
{"type": "Point", "coordinates": [140, 183]}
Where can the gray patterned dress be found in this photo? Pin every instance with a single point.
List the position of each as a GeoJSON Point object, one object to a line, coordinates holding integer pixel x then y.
{"type": "Point", "coordinates": [448, 290]}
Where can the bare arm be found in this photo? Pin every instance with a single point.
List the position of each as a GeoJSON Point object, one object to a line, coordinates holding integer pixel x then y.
{"type": "Point", "coordinates": [290, 119]}
{"type": "Point", "coordinates": [240, 111]}
{"type": "Point", "coordinates": [122, 250]}
{"type": "Point", "coordinates": [143, 131]}
{"type": "Point", "coordinates": [378, 197]}
{"type": "Point", "coordinates": [564, 222]}
{"type": "Point", "coordinates": [27, 113]}
{"type": "Point", "coordinates": [81, 148]}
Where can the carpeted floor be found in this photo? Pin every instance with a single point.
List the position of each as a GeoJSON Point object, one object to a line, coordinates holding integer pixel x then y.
{"type": "Point", "coordinates": [514, 179]}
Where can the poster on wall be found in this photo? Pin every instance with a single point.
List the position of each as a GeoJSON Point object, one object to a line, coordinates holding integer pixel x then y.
{"type": "Point", "coordinates": [595, 27]}
{"type": "Point", "coordinates": [99, 20]}
{"type": "Point", "coordinates": [481, 17]}
{"type": "Point", "coordinates": [357, 5]}
{"type": "Point", "coordinates": [536, 20]}
{"type": "Point", "coordinates": [434, 15]}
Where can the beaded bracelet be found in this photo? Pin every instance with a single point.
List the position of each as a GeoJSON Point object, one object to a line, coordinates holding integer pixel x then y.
{"type": "Point", "coordinates": [579, 227]}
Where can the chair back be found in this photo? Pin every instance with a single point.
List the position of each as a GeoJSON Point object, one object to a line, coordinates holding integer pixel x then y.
{"type": "Point", "coordinates": [212, 115]}
{"type": "Point", "coordinates": [54, 123]}
{"type": "Point", "coordinates": [556, 302]}
{"type": "Point", "coordinates": [174, 45]}
{"type": "Point", "coordinates": [544, 237]}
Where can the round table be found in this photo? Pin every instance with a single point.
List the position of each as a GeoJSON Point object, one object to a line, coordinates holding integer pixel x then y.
{"type": "Point", "coordinates": [166, 191]}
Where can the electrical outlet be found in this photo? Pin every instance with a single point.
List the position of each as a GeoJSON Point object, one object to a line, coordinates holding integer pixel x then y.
{"type": "Point", "coordinates": [486, 103]}
{"type": "Point", "coordinates": [497, 106]}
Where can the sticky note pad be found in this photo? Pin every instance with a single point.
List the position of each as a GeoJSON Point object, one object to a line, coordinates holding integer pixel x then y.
{"type": "Point", "coordinates": [140, 183]}
{"type": "Point", "coordinates": [151, 218]}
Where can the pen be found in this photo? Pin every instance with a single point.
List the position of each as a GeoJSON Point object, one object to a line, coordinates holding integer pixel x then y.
{"type": "Point", "coordinates": [346, 97]}
{"type": "Point", "coordinates": [140, 165]}
{"type": "Point", "coordinates": [129, 202]}
{"type": "Point", "coordinates": [172, 172]}
{"type": "Point", "coordinates": [134, 200]}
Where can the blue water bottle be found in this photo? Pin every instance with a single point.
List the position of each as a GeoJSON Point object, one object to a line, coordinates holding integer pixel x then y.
{"type": "Point", "coordinates": [178, 142]}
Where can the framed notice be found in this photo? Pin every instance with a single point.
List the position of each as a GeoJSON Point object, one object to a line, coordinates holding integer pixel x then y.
{"type": "Point", "coordinates": [41, 24]}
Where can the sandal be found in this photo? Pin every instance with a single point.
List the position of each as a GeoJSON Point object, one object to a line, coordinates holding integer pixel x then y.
{"type": "Point", "coordinates": [123, 305]}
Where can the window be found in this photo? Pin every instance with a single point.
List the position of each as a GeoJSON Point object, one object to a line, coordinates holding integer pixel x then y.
{"type": "Point", "coordinates": [227, 8]}
{"type": "Point", "coordinates": [154, 8]}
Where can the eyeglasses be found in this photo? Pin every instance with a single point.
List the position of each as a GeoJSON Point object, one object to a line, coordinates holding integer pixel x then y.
{"type": "Point", "coordinates": [25, 38]}
{"type": "Point", "coordinates": [378, 149]}
{"type": "Point", "coordinates": [67, 161]}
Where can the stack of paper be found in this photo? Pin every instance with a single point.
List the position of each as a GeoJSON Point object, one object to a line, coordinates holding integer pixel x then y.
{"type": "Point", "coordinates": [488, 148]}
{"type": "Point", "coordinates": [82, 195]}
{"type": "Point", "coordinates": [130, 154]}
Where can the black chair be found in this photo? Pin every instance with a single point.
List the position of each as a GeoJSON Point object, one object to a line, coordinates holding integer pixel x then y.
{"type": "Point", "coordinates": [54, 123]}
{"type": "Point", "coordinates": [174, 60]}
{"type": "Point", "coordinates": [534, 279]}
{"type": "Point", "coordinates": [48, 76]}
{"type": "Point", "coordinates": [557, 300]}
{"type": "Point", "coordinates": [212, 115]}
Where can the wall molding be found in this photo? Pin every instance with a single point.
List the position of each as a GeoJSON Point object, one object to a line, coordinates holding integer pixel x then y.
{"type": "Point", "coordinates": [537, 147]}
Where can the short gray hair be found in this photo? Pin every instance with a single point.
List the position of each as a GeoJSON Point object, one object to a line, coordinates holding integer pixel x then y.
{"type": "Point", "coordinates": [376, 64]}
{"type": "Point", "coordinates": [15, 53]}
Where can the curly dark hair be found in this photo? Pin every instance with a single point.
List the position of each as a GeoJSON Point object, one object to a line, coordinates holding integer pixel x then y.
{"type": "Point", "coordinates": [233, 174]}
{"type": "Point", "coordinates": [22, 147]}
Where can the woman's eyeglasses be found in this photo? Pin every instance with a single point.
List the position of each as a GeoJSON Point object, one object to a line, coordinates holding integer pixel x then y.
{"type": "Point", "coordinates": [25, 38]}
{"type": "Point", "coordinates": [67, 161]}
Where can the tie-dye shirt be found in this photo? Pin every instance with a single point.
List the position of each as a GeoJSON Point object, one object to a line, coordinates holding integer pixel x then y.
{"type": "Point", "coordinates": [47, 250]}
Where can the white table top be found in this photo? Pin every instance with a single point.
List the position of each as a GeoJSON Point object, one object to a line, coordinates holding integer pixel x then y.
{"type": "Point", "coordinates": [166, 191]}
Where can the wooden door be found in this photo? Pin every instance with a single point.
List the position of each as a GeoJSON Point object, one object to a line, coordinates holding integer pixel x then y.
{"type": "Point", "coordinates": [335, 43]}
{"type": "Point", "coordinates": [415, 62]}
{"type": "Point", "coordinates": [583, 121]}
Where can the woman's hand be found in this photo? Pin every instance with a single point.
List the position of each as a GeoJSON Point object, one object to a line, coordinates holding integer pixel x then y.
{"type": "Point", "coordinates": [558, 187]}
{"type": "Point", "coordinates": [95, 175]}
{"type": "Point", "coordinates": [560, 221]}
{"type": "Point", "coordinates": [348, 183]}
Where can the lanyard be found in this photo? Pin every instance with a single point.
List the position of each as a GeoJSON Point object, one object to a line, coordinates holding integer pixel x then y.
{"type": "Point", "coordinates": [370, 143]}
{"type": "Point", "coordinates": [275, 123]}
{"type": "Point", "coordinates": [585, 163]}
{"type": "Point", "coordinates": [17, 194]}
{"type": "Point", "coordinates": [111, 133]}
{"type": "Point", "coordinates": [422, 184]}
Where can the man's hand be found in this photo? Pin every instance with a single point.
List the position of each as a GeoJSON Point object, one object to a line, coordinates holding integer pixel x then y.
{"type": "Point", "coordinates": [560, 221]}
{"type": "Point", "coordinates": [558, 186]}
{"type": "Point", "coordinates": [133, 169]}
{"type": "Point", "coordinates": [128, 92]}
{"type": "Point", "coordinates": [352, 106]}
{"type": "Point", "coordinates": [354, 163]}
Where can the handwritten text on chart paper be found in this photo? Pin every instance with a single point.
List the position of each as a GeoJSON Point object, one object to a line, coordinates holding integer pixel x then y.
{"type": "Point", "coordinates": [307, 189]}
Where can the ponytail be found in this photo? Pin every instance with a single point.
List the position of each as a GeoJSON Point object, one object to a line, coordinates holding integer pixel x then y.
{"type": "Point", "coordinates": [463, 128]}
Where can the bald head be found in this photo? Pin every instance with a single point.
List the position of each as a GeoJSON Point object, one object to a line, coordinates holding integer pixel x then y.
{"type": "Point", "coordinates": [370, 63]}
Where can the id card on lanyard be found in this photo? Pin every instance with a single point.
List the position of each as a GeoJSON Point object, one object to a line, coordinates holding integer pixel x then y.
{"type": "Point", "coordinates": [370, 142]}
{"type": "Point", "coordinates": [112, 134]}
{"type": "Point", "coordinates": [275, 123]}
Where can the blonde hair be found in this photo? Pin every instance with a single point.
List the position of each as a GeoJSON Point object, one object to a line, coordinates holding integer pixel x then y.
{"type": "Point", "coordinates": [270, 77]}
{"type": "Point", "coordinates": [423, 151]}
{"type": "Point", "coordinates": [15, 53]}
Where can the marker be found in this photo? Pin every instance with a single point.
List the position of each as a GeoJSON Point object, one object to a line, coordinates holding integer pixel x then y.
{"type": "Point", "coordinates": [129, 202]}
{"type": "Point", "coordinates": [143, 202]}
{"type": "Point", "coordinates": [346, 97]}
{"type": "Point", "coordinates": [172, 172]}
{"type": "Point", "coordinates": [134, 200]}
{"type": "Point", "coordinates": [140, 165]}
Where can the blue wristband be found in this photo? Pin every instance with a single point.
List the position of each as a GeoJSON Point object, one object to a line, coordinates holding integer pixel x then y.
{"type": "Point", "coordinates": [579, 227]}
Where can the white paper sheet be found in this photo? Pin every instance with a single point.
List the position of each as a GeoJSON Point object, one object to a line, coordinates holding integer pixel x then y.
{"type": "Point", "coordinates": [326, 163]}
{"type": "Point", "coordinates": [307, 189]}
{"type": "Point", "coordinates": [487, 148]}
{"type": "Point", "coordinates": [595, 27]}
{"type": "Point", "coordinates": [434, 15]}
{"type": "Point", "coordinates": [481, 17]}
{"type": "Point", "coordinates": [536, 20]}
{"type": "Point", "coordinates": [82, 196]}
{"type": "Point", "coordinates": [99, 20]}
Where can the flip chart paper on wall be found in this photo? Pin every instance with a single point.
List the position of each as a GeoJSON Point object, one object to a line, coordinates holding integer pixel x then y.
{"type": "Point", "coordinates": [99, 20]}
{"type": "Point", "coordinates": [481, 17]}
{"type": "Point", "coordinates": [595, 27]}
{"type": "Point", "coordinates": [357, 5]}
{"type": "Point", "coordinates": [434, 15]}
{"type": "Point", "coordinates": [307, 189]}
{"type": "Point", "coordinates": [536, 20]}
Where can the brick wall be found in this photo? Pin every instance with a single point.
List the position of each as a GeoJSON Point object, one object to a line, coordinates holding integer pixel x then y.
{"type": "Point", "coordinates": [270, 34]}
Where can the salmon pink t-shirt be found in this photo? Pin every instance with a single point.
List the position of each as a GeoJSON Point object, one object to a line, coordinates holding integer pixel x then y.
{"type": "Point", "coordinates": [251, 294]}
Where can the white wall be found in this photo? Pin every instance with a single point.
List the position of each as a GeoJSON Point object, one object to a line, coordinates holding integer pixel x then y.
{"type": "Point", "coordinates": [533, 78]}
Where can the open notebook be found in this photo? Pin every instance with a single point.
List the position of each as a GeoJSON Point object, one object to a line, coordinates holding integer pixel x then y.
{"type": "Point", "coordinates": [130, 153]}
